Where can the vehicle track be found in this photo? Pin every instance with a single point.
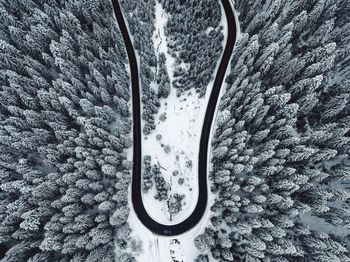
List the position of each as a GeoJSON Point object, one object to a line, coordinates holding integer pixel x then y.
{"type": "Point", "coordinates": [196, 215]}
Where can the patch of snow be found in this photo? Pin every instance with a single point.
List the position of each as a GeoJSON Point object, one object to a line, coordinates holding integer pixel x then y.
{"type": "Point", "coordinates": [159, 38]}
{"type": "Point", "coordinates": [209, 29]}
{"type": "Point", "coordinates": [181, 131]}
{"type": "Point", "coordinates": [162, 249]}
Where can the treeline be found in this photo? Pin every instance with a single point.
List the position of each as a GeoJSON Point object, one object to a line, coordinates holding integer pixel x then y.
{"type": "Point", "coordinates": [281, 149]}
{"type": "Point", "coordinates": [194, 38]}
{"type": "Point", "coordinates": [65, 125]}
{"type": "Point", "coordinates": [140, 19]}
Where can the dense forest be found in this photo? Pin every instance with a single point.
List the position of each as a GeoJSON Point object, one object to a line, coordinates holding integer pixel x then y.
{"type": "Point", "coordinates": [280, 156]}
{"type": "Point", "coordinates": [194, 36]}
{"type": "Point", "coordinates": [281, 167]}
{"type": "Point", "coordinates": [65, 126]}
{"type": "Point", "coordinates": [140, 19]}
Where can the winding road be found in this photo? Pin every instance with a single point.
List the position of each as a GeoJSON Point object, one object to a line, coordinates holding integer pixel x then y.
{"type": "Point", "coordinates": [196, 215]}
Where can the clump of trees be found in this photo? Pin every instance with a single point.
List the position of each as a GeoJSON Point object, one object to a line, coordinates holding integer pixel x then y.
{"type": "Point", "coordinates": [163, 77]}
{"type": "Point", "coordinates": [281, 149]}
{"type": "Point", "coordinates": [194, 38]}
{"type": "Point", "coordinates": [174, 204]}
{"type": "Point", "coordinates": [65, 125]}
{"type": "Point", "coordinates": [140, 19]}
{"type": "Point", "coordinates": [147, 174]}
{"type": "Point", "coordinates": [162, 186]}
{"type": "Point", "coordinates": [152, 175]}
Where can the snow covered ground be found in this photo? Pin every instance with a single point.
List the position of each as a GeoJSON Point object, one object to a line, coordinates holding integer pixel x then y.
{"type": "Point", "coordinates": [181, 132]}
{"type": "Point", "coordinates": [154, 248]}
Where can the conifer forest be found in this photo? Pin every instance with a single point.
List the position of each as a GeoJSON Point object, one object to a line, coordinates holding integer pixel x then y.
{"type": "Point", "coordinates": [174, 130]}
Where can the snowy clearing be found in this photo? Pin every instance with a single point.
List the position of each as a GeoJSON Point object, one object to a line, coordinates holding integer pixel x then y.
{"type": "Point", "coordinates": [180, 132]}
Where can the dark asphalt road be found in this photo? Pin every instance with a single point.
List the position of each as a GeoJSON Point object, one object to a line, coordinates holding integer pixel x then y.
{"type": "Point", "coordinates": [195, 217]}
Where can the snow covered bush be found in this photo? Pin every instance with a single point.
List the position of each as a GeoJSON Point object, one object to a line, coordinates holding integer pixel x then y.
{"type": "Point", "coordinates": [175, 204]}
